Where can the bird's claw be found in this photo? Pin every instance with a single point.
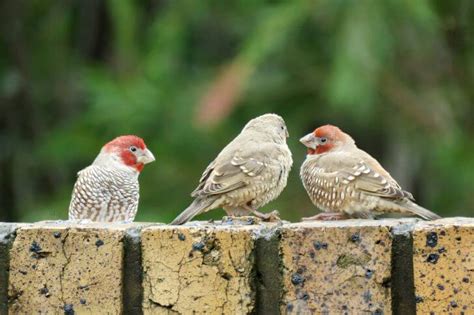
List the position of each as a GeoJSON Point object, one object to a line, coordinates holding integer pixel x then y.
{"type": "Point", "coordinates": [273, 216]}
{"type": "Point", "coordinates": [326, 216]}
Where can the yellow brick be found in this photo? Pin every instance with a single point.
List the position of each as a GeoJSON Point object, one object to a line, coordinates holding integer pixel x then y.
{"type": "Point", "coordinates": [205, 269]}
{"type": "Point", "coordinates": [443, 264]}
{"type": "Point", "coordinates": [57, 266]}
{"type": "Point", "coordinates": [336, 267]}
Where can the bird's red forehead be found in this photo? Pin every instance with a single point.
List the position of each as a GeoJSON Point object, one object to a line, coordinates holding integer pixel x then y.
{"type": "Point", "coordinates": [125, 142]}
{"type": "Point", "coordinates": [328, 131]}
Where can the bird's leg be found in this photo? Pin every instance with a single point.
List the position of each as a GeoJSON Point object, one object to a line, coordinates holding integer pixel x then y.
{"type": "Point", "coordinates": [236, 212]}
{"type": "Point", "coordinates": [239, 216]}
{"type": "Point", "coordinates": [327, 216]}
{"type": "Point", "coordinates": [240, 220]}
{"type": "Point", "coordinates": [233, 215]}
{"type": "Point", "coordinates": [228, 219]}
{"type": "Point", "coordinates": [271, 217]}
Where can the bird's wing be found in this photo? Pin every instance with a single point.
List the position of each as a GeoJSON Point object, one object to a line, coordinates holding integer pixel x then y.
{"type": "Point", "coordinates": [361, 171]}
{"type": "Point", "coordinates": [227, 174]}
{"type": "Point", "coordinates": [370, 177]}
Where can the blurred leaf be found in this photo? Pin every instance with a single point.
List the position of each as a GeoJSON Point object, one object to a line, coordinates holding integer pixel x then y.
{"type": "Point", "coordinates": [363, 48]}
{"type": "Point", "coordinates": [277, 23]}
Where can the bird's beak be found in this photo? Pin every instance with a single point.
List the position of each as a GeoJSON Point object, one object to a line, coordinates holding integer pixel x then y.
{"type": "Point", "coordinates": [146, 157]}
{"type": "Point", "coordinates": [287, 133]}
{"type": "Point", "coordinates": [309, 141]}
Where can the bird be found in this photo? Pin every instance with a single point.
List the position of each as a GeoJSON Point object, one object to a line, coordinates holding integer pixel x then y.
{"type": "Point", "coordinates": [108, 189]}
{"type": "Point", "coordinates": [346, 182]}
{"type": "Point", "coordinates": [249, 172]}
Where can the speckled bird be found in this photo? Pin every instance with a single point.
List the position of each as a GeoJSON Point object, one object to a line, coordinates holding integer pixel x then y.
{"type": "Point", "coordinates": [249, 172]}
{"type": "Point", "coordinates": [345, 181]}
{"type": "Point", "coordinates": [108, 190]}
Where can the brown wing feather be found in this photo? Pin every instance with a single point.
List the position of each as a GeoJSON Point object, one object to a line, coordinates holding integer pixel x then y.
{"type": "Point", "coordinates": [221, 177]}
{"type": "Point", "coordinates": [372, 179]}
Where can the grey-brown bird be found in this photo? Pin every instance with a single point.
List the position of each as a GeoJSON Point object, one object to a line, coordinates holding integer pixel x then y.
{"type": "Point", "coordinates": [344, 181]}
{"type": "Point", "coordinates": [249, 172]}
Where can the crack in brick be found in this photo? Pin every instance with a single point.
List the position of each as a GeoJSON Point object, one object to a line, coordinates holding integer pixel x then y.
{"type": "Point", "coordinates": [68, 260]}
{"type": "Point", "coordinates": [181, 264]}
{"type": "Point", "coordinates": [151, 283]}
{"type": "Point", "coordinates": [169, 308]}
{"type": "Point", "coordinates": [218, 268]}
{"type": "Point", "coordinates": [227, 297]}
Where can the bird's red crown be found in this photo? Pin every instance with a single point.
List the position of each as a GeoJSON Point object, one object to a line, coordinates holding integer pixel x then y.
{"type": "Point", "coordinates": [122, 145]}
{"type": "Point", "coordinates": [330, 133]}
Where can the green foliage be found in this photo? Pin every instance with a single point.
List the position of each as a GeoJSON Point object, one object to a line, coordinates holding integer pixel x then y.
{"type": "Point", "coordinates": [187, 75]}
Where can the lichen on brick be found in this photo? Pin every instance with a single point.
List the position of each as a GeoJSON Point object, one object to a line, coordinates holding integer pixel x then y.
{"type": "Point", "coordinates": [345, 267]}
{"type": "Point", "coordinates": [346, 260]}
{"type": "Point", "coordinates": [55, 266]}
{"type": "Point", "coordinates": [443, 261]}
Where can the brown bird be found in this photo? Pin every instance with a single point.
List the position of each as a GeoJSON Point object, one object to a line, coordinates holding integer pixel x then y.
{"type": "Point", "coordinates": [250, 171]}
{"type": "Point", "coordinates": [344, 181]}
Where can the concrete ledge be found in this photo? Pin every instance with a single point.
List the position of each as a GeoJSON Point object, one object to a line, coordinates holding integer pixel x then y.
{"type": "Point", "coordinates": [344, 267]}
{"type": "Point", "coordinates": [443, 261]}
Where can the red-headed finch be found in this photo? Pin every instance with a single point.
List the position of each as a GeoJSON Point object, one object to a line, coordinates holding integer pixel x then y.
{"type": "Point", "coordinates": [108, 190]}
{"type": "Point", "coordinates": [248, 173]}
{"type": "Point", "coordinates": [344, 181]}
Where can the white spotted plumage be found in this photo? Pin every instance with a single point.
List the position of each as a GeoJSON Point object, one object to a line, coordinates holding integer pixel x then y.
{"type": "Point", "coordinates": [105, 194]}
{"type": "Point", "coordinates": [108, 190]}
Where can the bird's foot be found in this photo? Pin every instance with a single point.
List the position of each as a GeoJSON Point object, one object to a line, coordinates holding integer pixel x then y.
{"type": "Point", "coordinates": [327, 216]}
{"type": "Point", "coordinates": [273, 216]}
{"type": "Point", "coordinates": [241, 220]}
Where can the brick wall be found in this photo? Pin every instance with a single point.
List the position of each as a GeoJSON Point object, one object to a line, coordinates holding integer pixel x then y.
{"type": "Point", "coordinates": [352, 267]}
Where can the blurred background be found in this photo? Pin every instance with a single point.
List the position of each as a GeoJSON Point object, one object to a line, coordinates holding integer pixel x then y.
{"type": "Point", "coordinates": [187, 75]}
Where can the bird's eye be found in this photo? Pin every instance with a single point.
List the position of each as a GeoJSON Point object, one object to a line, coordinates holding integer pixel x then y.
{"type": "Point", "coordinates": [133, 148]}
{"type": "Point", "coordinates": [282, 127]}
{"type": "Point", "coordinates": [323, 140]}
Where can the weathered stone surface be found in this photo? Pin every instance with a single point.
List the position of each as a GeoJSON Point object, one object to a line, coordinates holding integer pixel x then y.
{"type": "Point", "coordinates": [337, 267]}
{"type": "Point", "coordinates": [443, 264]}
{"type": "Point", "coordinates": [235, 268]}
{"type": "Point", "coordinates": [201, 269]}
{"type": "Point", "coordinates": [64, 268]}
{"type": "Point", "coordinates": [7, 235]}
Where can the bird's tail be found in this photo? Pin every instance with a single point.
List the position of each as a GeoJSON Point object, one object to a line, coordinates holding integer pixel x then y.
{"type": "Point", "coordinates": [420, 211]}
{"type": "Point", "coordinates": [196, 207]}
